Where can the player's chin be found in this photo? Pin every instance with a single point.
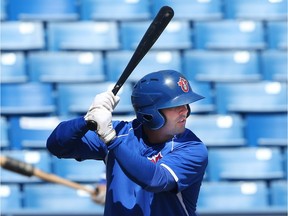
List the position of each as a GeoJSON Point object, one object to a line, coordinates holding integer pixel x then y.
{"type": "Point", "coordinates": [181, 127]}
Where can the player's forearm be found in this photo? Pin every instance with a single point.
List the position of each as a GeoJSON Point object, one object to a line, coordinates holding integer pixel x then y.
{"type": "Point", "coordinates": [63, 138]}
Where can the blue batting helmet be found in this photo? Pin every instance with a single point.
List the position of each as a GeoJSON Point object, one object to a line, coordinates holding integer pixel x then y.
{"type": "Point", "coordinates": [159, 90]}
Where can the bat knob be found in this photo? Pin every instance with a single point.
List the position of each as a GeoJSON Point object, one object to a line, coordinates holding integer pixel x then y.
{"type": "Point", "coordinates": [92, 125]}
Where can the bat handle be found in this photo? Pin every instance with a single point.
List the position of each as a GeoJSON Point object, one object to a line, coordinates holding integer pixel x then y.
{"type": "Point", "coordinates": [92, 125]}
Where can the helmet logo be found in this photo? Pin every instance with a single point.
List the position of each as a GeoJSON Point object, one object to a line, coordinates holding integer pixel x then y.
{"type": "Point", "coordinates": [183, 83]}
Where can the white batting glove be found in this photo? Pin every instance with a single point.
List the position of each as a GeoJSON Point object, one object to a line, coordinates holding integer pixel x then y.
{"type": "Point", "coordinates": [101, 112]}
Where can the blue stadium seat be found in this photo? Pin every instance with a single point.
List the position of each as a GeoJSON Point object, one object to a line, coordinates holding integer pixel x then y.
{"type": "Point", "coordinates": [261, 97]}
{"type": "Point", "coordinates": [4, 128]}
{"type": "Point", "coordinates": [66, 67]}
{"type": "Point", "coordinates": [122, 10]}
{"type": "Point", "coordinates": [49, 198]}
{"type": "Point", "coordinates": [31, 132]}
{"type": "Point", "coordinates": [17, 35]}
{"type": "Point", "coordinates": [192, 9]}
{"type": "Point", "coordinates": [3, 13]}
{"type": "Point", "coordinates": [218, 130]}
{"type": "Point", "coordinates": [274, 65]}
{"type": "Point", "coordinates": [177, 35]}
{"type": "Point", "coordinates": [42, 10]}
{"type": "Point", "coordinates": [277, 35]}
{"type": "Point", "coordinates": [75, 99]}
{"type": "Point", "coordinates": [85, 35]}
{"type": "Point", "coordinates": [153, 61]}
{"type": "Point", "coordinates": [27, 98]}
{"type": "Point", "coordinates": [245, 9]}
{"type": "Point", "coordinates": [233, 196]}
{"type": "Point", "coordinates": [278, 190]}
{"type": "Point", "coordinates": [13, 67]}
{"type": "Point", "coordinates": [245, 163]}
{"type": "Point", "coordinates": [10, 197]}
{"type": "Point", "coordinates": [38, 158]}
{"type": "Point", "coordinates": [229, 34]}
{"type": "Point", "coordinates": [84, 171]}
{"type": "Point", "coordinates": [266, 130]}
{"type": "Point", "coordinates": [205, 105]}
{"type": "Point", "coordinates": [221, 66]}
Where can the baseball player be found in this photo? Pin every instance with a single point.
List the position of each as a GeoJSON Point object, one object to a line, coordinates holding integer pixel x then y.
{"type": "Point", "coordinates": [154, 165]}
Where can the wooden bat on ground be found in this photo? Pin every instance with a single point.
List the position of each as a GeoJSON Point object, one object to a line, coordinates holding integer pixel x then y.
{"type": "Point", "coordinates": [153, 32]}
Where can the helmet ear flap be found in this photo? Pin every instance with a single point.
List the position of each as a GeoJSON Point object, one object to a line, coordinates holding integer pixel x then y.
{"type": "Point", "coordinates": [155, 121]}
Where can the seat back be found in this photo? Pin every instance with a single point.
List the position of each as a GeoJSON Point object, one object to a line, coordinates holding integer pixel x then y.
{"type": "Point", "coordinates": [13, 67]}
{"type": "Point", "coordinates": [229, 34]}
{"type": "Point", "coordinates": [260, 97]}
{"type": "Point", "coordinates": [274, 65]}
{"type": "Point", "coordinates": [3, 13]}
{"type": "Point", "coordinates": [245, 9]}
{"type": "Point", "coordinates": [233, 196]}
{"type": "Point", "coordinates": [31, 132]}
{"type": "Point", "coordinates": [85, 171]}
{"type": "Point", "coordinates": [153, 61]}
{"type": "Point", "coordinates": [86, 35]}
{"type": "Point", "coordinates": [42, 10]}
{"type": "Point", "coordinates": [114, 10]}
{"type": "Point", "coordinates": [75, 99]}
{"type": "Point", "coordinates": [177, 35]}
{"type": "Point", "coordinates": [191, 9]}
{"type": "Point", "coordinates": [221, 66]}
{"type": "Point", "coordinates": [278, 190]}
{"type": "Point", "coordinates": [27, 98]}
{"type": "Point", "coordinates": [4, 128]}
{"type": "Point", "coordinates": [245, 163]}
{"type": "Point", "coordinates": [17, 35]}
{"type": "Point", "coordinates": [51, 197]}
{"type": "Point", "coordinates": [10, 197]}
{"type": "Point", "coordinates": [66, 67]}
{"type": "Point", "coordinates": [266, 129]}
{"type": "Point", "coordinates": [224, 130]}
{"type": "Point", "coordinates": [277, 35]}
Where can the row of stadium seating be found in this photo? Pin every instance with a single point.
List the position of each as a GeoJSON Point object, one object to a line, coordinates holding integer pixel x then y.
{"type": "Point", "coordinates": [196, 65]}
{"type": "Point", "coordinates": [142, 9]}
{"type": "Point", "coordinates": [74, 99]}
{"type": "Point", "coordinates": [112, 35]}
{"type": "Point", "coordinates": [229, 130]}
{"type": "Point", "coordinates": [227, 196]}
{"type": "Point", "coordinates": [242, 178]}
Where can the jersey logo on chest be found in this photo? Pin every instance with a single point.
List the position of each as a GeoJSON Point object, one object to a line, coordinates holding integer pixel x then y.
{"type": "Point", "coordinates": [155, 158]}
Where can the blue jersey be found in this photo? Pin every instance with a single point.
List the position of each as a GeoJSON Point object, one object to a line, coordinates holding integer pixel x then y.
{"type": "Point", "coordinates": [142, 179]}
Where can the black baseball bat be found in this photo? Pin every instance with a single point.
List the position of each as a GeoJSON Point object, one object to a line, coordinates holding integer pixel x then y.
{"type": "Point", "coordinates": [153, 32]}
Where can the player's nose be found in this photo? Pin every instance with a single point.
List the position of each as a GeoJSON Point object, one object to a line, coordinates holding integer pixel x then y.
{"type": "Point", "coordinates": [183, 110]}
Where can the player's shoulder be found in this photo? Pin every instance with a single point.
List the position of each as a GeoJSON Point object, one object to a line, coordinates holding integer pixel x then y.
{"type": "Point", "coordinates": [188, 135]}
{"type": "Point", "coordinates": [190, 142]}
{"type": "Point", "coordinates": [123, 126]}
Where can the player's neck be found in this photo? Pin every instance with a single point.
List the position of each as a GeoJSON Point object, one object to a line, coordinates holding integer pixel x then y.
{"type": "Point", "coordinates": [156, 136]}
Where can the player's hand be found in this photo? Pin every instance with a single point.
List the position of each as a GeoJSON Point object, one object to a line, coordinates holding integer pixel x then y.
{"type": "Point", "coordinates": [101, 112]}
{"type": "Point", "coordinates": [99, 194]}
